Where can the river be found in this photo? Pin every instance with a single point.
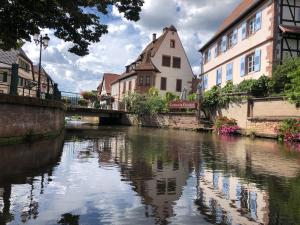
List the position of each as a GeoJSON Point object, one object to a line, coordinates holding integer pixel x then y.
{"type": "Point", "coordinates": [135, 176]}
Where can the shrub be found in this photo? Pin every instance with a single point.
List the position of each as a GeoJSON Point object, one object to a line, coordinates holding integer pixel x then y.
{"type": "Point", "coordinates": [192, 97]}
{"type": "Point", "coordinates": [89, 95]}
{"type": "Point", "coordinates": [171, 97]}
{"type": "Point", "coordinates": [226, 126]}
{"type": "Point", "coordinates": [83, 102]}
{"type": "Point", "coordinates": [280, 73]}
{"type": "Point", "coordinates": [292, 90]}
{"type": "Point", "coordinates": [289, 130]}
{"type": "Point", "coordinates": [211, 98]}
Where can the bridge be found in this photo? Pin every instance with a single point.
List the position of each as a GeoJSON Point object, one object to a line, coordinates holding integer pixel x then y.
{"type": "Point", "coordinates": [78, 106]}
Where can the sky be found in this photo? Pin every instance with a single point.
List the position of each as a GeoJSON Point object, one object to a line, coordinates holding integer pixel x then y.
{"type": "Point", "coordinates": [195, 20]}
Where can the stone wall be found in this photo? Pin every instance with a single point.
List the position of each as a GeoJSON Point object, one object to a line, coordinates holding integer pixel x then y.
{"type": "Point", "coordinates": [261, 116]}
{"type": "Point", "coordinates": [170, 120]}
{"type": "Point", "coordinates": [23, 116]}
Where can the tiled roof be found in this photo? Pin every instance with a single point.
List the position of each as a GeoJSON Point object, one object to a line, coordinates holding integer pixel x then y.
{"type": "Point", "coordinates": [143, 62]}
{"type": "Point", "coordinates": [10, 57]}
{"type": "Point", "coordinates": [240, 11]}
{"type": "Point", "coordinates": [43, 71]}
{"type": "Point", "coordinates": [109, 78]}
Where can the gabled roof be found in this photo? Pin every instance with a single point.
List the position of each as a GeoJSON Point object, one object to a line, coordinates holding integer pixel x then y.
{"type": "Point", "coordinates": [108, 79]}
{"type": "Point", "coordinates": [144, 62]}
{"type": "Point", "coordinates": [10, 57]}
{"type": "Point", "coordinates": [43, 71]}
{"type": "Point", "coordinates": [244, 8]}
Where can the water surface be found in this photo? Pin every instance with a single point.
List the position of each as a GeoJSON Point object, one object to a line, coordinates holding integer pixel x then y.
{"type": "Point", "coordinates": [149, 176]}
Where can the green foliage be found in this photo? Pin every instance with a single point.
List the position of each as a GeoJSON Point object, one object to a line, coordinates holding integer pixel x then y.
{"type": "Point", "coordinates": [171, 97]}
{"type": "Point", "coordinates": [292, 90]}
{"type": "Point", "coordinates": [280, 73]}
{"type": "Point", "coordinates": [192, 97]}
{"type": "Point", "coordinates": [89, 95]}
{"type": "Point", "coordinates": [257, 88]}
{"type": "Point", "coordinates": [289, 130]}
{"type": "Point", "coordinates": [212, 98]}
{"type": "Point", "coordinates": [145, 104]}
{"type": "Point", "coordinates": [83, 102]}
{"type": "Point", "coordinates": [77, 22]}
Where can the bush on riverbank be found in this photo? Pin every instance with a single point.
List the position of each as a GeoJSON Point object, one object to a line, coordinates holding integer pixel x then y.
{"type": "Point", "coordinates": [289, 130]}
{"type": "Point", "coordinates": [226, 126]}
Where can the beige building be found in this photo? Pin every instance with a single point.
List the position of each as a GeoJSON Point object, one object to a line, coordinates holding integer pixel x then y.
{"type": "Point", "coordinates": [104, 90]}
{"type": "Point", "coordinates": [254, 36]}
{"type": "Point", "coordinates": [163, 64]}
{"type": "Point", "coordinates": [47, 84]}
{"type": "Point", "coordinates": [25, 72]}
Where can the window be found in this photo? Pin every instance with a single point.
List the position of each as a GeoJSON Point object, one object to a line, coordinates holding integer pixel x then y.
{"type": "Point", "coordinates": [3, 77]}
{"type": "Point", "coordinates": [219, 76]}
{"type": "Point", "coordinates": [230, 40]}
{"type": "Point", "coordinates": [147, 80]}
{"type": "Point", "coordinates": [141, 80]}
{"type": "Point", "coordinates": [129, 86]}
{"type": "Point", "coordinates": [124, 87]}
{"type": "Point", "coordinates": [250, 63]}
{"type": "Point", "coordinates": [163, 83]}
{"type": "Point", "coordinates": [23, 65]}
{"type": "Point", "coordinates": [172, 43]}
{"type": "Point", "coordinates": [229, 72]}
{"type": "Point", "coordinates": [161, 187]}
{"type": "Point", "coordinates": [205, 81]}
{"type": "Point", "coordinates": [176, 62]}
{"type": "Point", "coordinates": [171, 186]}
{"type": "Point", "coordinates": [205, 57]}
{"type": "Point", "coordinates": [218, 49]}
{"type": "Point", "coordinates": [21, 81]}
{"type": "Point", "coordinates": [166, 60]}
{"type": "Point", "coordinates": [178, 85]}
{"type": "Point", "coordinates": [251, 26]}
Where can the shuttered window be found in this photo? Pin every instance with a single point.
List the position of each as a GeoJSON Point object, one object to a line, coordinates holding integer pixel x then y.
{"type": "Point", "coordinates": [178, 85]}
{"type": "Point", "coordinates": [129, 86]}
{"type": "Point", "coordinates": [166, 60]}
{"type": "Point", "coordinates": [163, 83]}
{"type": "Point", "coordinates": [219, 76]}
{"type": "Point", "coordinates": [147, 80]}
{"type": "Point", "coordinates": [176, 62]}
{"type": "Point", "coordinates": [229, 72]}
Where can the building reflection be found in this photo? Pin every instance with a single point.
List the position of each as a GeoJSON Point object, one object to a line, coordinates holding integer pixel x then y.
{"type": "Point", "coordinates": [26, 164]}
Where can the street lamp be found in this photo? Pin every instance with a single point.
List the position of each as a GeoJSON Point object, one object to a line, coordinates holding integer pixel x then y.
{"type": "Point", "coordinates": [43, 41]}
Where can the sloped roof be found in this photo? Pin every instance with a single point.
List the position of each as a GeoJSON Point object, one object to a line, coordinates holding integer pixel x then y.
{"type": "Point", "coordinates": [144, 62]}
{"type": "Point", "coordinates": [237, 14]}
{"type": "Point", "coordinates": [43, 71]}
{"type": "Point", "coordinates": [289, 29]}
{"type": "Point", "coordinates": [109, 78]}
{"type": "Point", "coordinates": [10, 57]}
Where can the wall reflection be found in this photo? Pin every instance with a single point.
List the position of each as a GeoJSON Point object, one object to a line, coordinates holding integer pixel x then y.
{"type": "Point", "coordinates": [30, 164]}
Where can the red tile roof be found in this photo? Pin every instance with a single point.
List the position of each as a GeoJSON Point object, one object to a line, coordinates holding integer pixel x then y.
{"type": "Point", "coordinates": [109, 78]}
{"type": "Point", "coordinates": [237, 14]}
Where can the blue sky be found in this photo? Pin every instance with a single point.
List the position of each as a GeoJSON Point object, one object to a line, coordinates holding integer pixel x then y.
{"type": "Point", "coordinates": [195, 20]}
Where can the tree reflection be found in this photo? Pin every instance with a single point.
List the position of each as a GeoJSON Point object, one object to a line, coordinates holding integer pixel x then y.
{"type": "Point", "coordinates": [69, 219]}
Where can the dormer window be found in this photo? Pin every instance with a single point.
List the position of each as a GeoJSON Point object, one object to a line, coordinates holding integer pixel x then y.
{"type": "Point", "coordinates": [24, 65]}
{"type": "Point", "coordinates": [172, 43]}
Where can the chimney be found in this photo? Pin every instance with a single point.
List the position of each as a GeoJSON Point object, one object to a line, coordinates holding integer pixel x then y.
{"type": "Point", "coordinates": [153, 37]}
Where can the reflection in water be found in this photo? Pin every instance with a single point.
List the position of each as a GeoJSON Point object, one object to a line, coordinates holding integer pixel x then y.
{"type": "Point", "coordinates": [148, 176]}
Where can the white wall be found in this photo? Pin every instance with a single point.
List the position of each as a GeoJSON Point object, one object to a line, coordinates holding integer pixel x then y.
{"type": "Point", "coordinates": [244, 47]}
{"type": "Point", "coordinates": [185, 73]}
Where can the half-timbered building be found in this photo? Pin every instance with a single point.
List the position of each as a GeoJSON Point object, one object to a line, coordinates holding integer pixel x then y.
{"type": "Point", "coordinates": [255, 36]}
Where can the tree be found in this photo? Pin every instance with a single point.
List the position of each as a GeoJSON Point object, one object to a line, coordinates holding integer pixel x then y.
{"type": "Point", "coordinates": [73, 21]}
{"type": "Point", "coordinates": [292, 90]}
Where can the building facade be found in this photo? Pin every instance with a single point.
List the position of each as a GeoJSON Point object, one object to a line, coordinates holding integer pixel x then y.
{"type": "Point", "coordinates": [25, 72]}
{"type": "Point", "coordinates": [255, 36]}
{"type": "Point", "coordinates": [104, 90]}
{"type": "Point", "coordinates": [46, 83]}
{"type": "Point", "coordinates": [163, 64]}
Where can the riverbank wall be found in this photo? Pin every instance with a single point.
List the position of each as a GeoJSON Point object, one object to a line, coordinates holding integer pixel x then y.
{"type": "Point", "coordinates": [24, 118]}
{"type": "Point", "coordinates": [259, 116]}
{"type": "Point", "coordinates": [184, 121]}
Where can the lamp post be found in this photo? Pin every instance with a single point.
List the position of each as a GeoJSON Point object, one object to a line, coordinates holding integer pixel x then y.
{"type": "Point", "coordinates": [42, 41]}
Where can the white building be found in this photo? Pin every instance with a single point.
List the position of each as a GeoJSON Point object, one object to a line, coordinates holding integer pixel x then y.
{"type": "Point", "coordinates": [163, 64]}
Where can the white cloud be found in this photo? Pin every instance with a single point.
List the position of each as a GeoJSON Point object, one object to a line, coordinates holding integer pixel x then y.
{"type": "Point", "coordinates": [195, 20]}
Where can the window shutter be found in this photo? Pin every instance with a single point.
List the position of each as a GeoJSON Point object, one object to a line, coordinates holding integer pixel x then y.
{"type": "Point", "coordinates": [244, 30]}
{"type": "Point", "coordinates": [258, 21]}
{"type": "Point", "coordinates": [205, 81]}
{"type": "Point", "coordinates": [243, 63]}
{"type": "Point", "coordinates": [257, 60]}
{"type": "Point", "coordinates": [235, 36]}
{"type": "Point", "coordinates": [224, 44]}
